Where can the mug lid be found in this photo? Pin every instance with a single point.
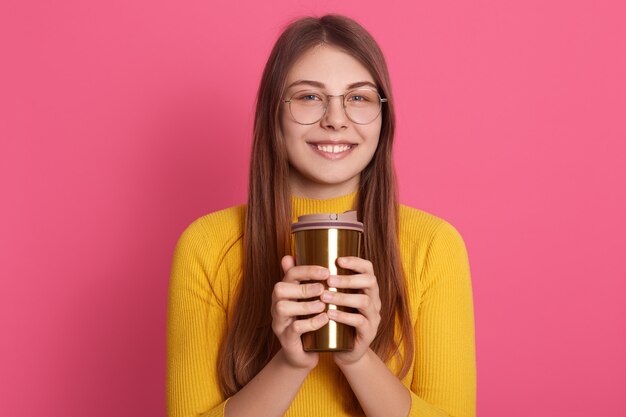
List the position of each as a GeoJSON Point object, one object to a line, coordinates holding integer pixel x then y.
{"type": "Point", "coordinates": [347, 220]}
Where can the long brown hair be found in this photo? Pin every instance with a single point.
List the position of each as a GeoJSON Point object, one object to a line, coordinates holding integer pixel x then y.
{"type": "Point", "coordinates": [250, 342]}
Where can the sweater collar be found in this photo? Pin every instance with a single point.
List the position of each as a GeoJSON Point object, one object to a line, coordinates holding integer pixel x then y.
{"type": "Point", "coordinates": [302, 205]}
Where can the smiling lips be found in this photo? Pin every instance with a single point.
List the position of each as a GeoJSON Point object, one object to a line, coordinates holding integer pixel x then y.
{"type": "Point", "coordinates": [333, 151]}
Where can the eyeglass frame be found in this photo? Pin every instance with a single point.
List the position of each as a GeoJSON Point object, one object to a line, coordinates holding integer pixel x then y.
{"type": "Point", "coordinates": [343, 104]}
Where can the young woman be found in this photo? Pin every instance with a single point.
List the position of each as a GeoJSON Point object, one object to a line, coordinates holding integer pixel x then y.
{"type": "Point", "coordinates": [323, 137]}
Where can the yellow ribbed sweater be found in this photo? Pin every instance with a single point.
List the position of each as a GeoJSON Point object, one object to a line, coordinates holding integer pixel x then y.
{"type": "Point", "coordinates": [207, 265]}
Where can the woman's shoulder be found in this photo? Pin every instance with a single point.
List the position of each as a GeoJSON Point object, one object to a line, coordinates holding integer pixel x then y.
{"type": "Point", "coordinates": [207, 256]}
{"type": "Point", "coordinates": [419, 228]}
{"type": "Point", "coordinates": [217, 229]}
{"type": "Point", "coordinates": [428, 242]}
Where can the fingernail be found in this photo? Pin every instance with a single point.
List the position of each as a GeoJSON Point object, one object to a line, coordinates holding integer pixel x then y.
{"type": "Point", "coordinates": [318, 288]}
{"type": "Point", "coordinates": [319, 305]}
{"type": "Point", "coordinates": [323, 273]}
{"type": "Point", "coordinates": [327, 296]}
{"type": "Point", "coordinates": [332, 313]}
{"type": "Point", "coordinates": [321, 319]}
{"type": "Point", "coordinates": [333, 281]}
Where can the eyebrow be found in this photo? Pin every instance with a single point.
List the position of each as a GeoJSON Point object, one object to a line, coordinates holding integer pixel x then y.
{"type": "Point", "coordinates": [322, 85]}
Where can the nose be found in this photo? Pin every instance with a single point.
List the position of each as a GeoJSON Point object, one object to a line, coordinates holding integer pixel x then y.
{"type": "Point", "coordinates": [335, 116]}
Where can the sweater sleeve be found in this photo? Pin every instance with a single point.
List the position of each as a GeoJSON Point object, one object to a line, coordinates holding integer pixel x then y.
{"type": "Point", "coordinates": [196, 320]}
{"type": "Point", "coordinates": [444, 379]}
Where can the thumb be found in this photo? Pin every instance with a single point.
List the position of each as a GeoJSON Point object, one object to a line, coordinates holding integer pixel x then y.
{"type": "Point", "coordinates": [287, 263]}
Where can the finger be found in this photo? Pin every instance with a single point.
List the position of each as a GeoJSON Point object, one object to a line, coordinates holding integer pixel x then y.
{"type": "Point", "coordinates": [362, 302]}
{"type": "Point", "coordinates": [285, 310]}
{"type": "Point", "coordinates": [351, 319]}
{"type": "Point", "coordinates": [287, 263]}
{"type": "Point", "coordinates": [306, 273]}
{"type": "Point", "coordinates": [354, 263]}
{"type": "Point", "coordinates": [292, 291]}
{"type": "Point", "coordinates": [356, 282]}
{"type": "Point", "coordinates": [299, 327]}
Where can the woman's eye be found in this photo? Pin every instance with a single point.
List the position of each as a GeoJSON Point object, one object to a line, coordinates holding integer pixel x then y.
{"type": "Point", "coordinates": [357, 97]}
{"type": "Point", "coordinates": [308, 97]}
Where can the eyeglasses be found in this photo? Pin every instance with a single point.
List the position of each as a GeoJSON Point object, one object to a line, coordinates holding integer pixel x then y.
{"type": "Point", "coordinates": [362, 105]}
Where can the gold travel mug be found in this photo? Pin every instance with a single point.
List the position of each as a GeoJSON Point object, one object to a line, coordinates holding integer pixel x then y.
{"type": "Point", "coordinates": [320, 239]}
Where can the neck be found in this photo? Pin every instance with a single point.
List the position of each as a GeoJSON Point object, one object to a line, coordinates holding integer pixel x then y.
{"type": "Point", "coordinates": [322, 191]}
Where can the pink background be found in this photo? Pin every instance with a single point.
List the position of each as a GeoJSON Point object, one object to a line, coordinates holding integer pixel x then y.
{"type": "Point", "coordinates": [123, 121]}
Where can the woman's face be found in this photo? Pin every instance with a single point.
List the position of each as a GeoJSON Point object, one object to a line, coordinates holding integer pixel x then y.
{"type": "Point", "coordinates": [326, 158]}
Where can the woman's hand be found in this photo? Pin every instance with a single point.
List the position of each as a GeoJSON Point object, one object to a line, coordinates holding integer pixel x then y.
{"type": "Point", "coordinates": [286, 308]}
{"type": "Point", "coordinates": [367, 302]}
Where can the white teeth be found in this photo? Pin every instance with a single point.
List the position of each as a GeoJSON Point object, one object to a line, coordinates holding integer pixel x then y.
{"type": "Point", "coordinates": [333, 148]}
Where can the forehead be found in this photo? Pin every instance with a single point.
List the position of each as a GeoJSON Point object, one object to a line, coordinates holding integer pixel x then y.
{"type": "Point", "coordinates": [330, 66]}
